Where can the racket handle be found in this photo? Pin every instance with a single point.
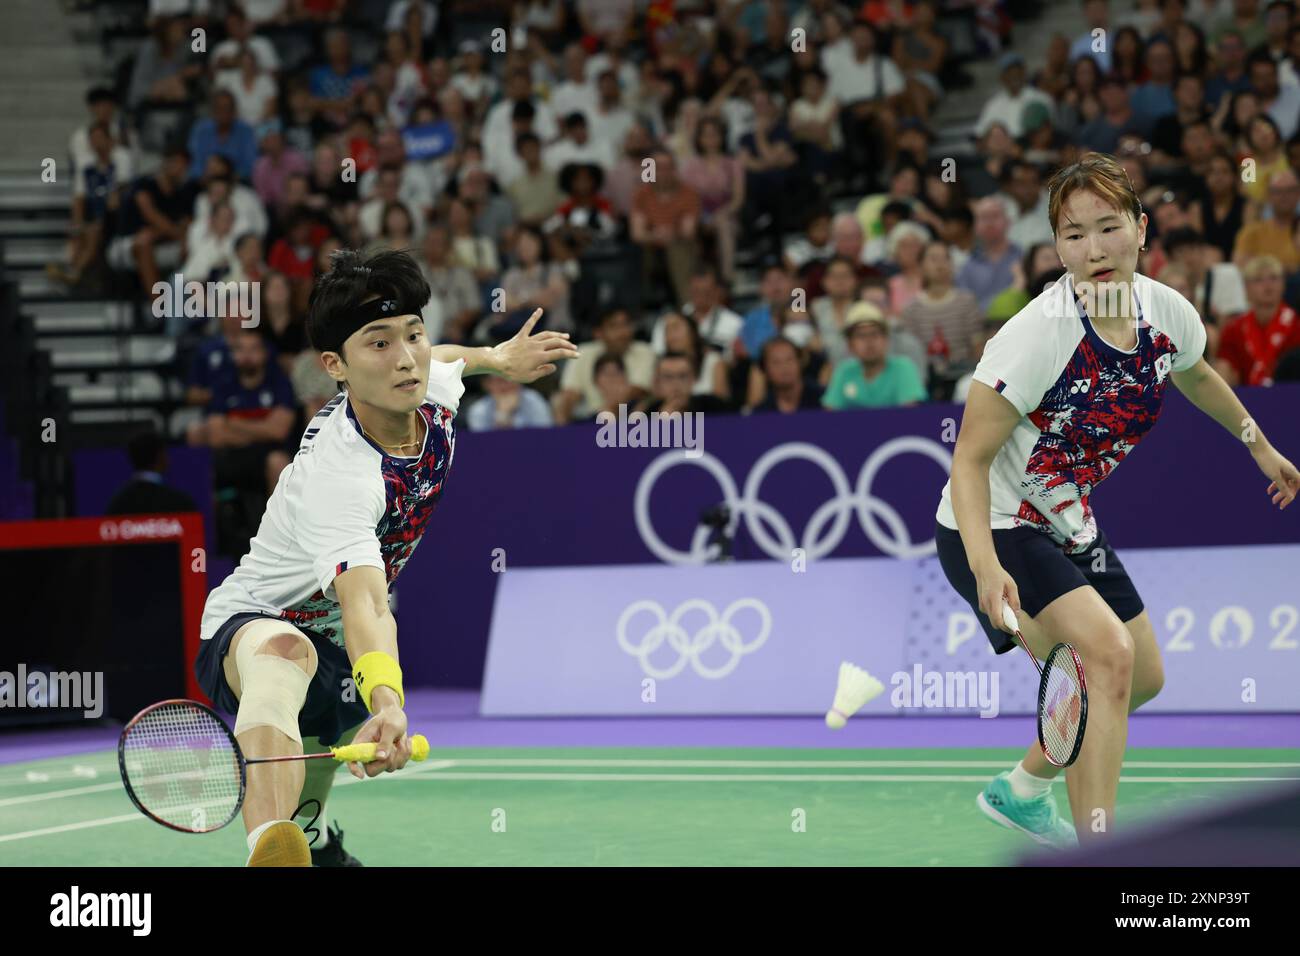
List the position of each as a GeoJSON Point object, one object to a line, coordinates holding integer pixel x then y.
{"type": "Point", "coordinates": [365, 753]}
{"type": "Point", "coordinates": [1009, 617]}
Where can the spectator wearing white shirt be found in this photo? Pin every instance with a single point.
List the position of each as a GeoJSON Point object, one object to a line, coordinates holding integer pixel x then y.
{"type": "Point", "coordinates": [611, 120]}
{"type": "Point", "coordinates": [1217, 288]}
{"type": "Point", "coordinates": [477, 86]}
{"type": "Point", "coordinates": [505, 165]}
{"type": "Point", "coordinates": [869, 88]}
{"type": "Point", "coordinates": [256, 93]}
{"type": "Point", "coordinates": [497, 131]}
{"type": "Point", "coordinates": [1026, 202]}
{"type": "Point", "coordinates": [211, 249]}
{"type": "Point", "coordinates": [815, 124]}
{"type": "Point", "coordinates": [718, 324]}
{"type": "Point", "coordinates": [250, 211]}
{"type": "Point", "coordinates": [240, 37]}
{"type": "Point", "coordinates": [575, 93]}
{"type": "Point", "coordinates": [1281, 103]}
{"type": "Point", "coordinates": [577, 147]}
{"type": "Point", "coordinates": [102, 103]}
{"type": "Point", "coordinates": [1007, 106]}
{"type": "Point", "coordinates": [613, 58]}
{"type": "Point", "coordinates": [416, 190]}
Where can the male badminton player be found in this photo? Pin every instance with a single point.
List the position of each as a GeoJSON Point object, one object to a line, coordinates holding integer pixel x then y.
{"type": "Point", "coordinates": [1063, 393]}
{"type": "Point", "coordinates": [299, 641]}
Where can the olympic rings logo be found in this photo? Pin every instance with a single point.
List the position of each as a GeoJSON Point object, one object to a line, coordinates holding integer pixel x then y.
{"type": "Point", "coordinates": [829, 523]}
{"type": "Point", "coordinates": [691, 648]}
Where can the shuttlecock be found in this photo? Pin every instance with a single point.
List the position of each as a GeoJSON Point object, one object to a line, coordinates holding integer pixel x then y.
{"type": "Point", "coordinates": [854, 689]}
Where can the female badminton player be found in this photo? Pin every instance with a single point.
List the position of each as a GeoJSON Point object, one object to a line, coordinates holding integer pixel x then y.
{"type": "Point", "coordinates": [1063, 393]}
{"type": "Point", "coordinates": [298, 641]}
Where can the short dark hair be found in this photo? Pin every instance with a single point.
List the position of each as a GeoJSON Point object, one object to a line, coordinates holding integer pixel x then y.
{"type": "Point", "coordinates": [609, 314]}
{"type": "Point", "coordinates": [352, 280]}
{"type": "Point", "coordinates": [774, 342]}
{"type": "Point", "coordinates": [1260, 55]}
{"type": "Point", "coordinates": [669, 356]}
{"type": "Point", "coordinates": [1179, 238]}
{"type": "Point", "coordinates": [605, 360]}
{"type": "Point", "coordinates": [100, 94]}
{"type": "Point", "coordinates": [961, 214]}
{"type": "Point", "coordinates": [896, 207]}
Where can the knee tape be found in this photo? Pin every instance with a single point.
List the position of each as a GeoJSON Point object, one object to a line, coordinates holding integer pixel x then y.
{"type": "Point", "coordinates": [272, 689]}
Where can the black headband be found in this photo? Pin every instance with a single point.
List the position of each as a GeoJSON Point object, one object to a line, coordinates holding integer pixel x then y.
{"type": "Point", "coordinates": [361, 316]}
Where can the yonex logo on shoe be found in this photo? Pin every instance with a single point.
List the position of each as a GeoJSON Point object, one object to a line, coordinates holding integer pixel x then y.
{"type": "Point", "coordinates": [74, 909]}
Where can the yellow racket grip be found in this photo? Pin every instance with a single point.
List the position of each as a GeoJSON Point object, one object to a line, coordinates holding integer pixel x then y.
{"type": "Point", "coordinates": [364, 753]}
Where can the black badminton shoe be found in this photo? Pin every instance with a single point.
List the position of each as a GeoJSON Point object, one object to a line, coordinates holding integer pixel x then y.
{"type": "Point", "coordinates": [332, 853]}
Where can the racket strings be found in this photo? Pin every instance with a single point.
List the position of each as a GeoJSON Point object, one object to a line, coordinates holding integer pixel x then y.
{"type": "Point", "coordinates": [182, 767]}
{"type": "Point", "coordinates": [1060, 709]}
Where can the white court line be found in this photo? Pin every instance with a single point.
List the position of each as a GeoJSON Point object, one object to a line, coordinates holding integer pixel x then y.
{"type": "Point", "coordinates": [801, 778]}
{"type": "Point", "coordinates": [85, 825]}
{"type": "Point", "coordinates": [46, 831]}
{"type": "Point", "coordinates": [56, 794]}
{"type": "Point", "coordinates": [425, 773]}
{"type": "Point", "coordinates": [736, 764]}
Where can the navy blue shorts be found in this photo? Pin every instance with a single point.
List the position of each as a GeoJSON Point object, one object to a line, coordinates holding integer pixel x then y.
{"type": "Point", "coordinates": [1042, 572]}
{"type": "Point", "coordinates": [325, 715]}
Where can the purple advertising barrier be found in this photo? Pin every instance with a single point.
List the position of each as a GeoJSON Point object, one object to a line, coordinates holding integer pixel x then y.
{"type": "Point", "coordinates": [1226, 621]}
{"type": "Point", "coordinates": [724, 639]}
{"type": "Point", "coordinates": [768, 638]}
{"type": "Point", "coordinates": [553, 497]}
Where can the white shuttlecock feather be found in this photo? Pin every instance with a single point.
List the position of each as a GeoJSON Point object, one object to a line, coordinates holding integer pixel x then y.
{"type": "Point", "coordinates": [855, 688]}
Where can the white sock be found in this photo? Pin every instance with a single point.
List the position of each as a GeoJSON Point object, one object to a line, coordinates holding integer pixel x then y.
{"type": "Point", "coordinates": [257, 833]}
{"type": "Point", "coordinates": [322, 824]}
{"type": "Point", "coordinates": [1025, 785]}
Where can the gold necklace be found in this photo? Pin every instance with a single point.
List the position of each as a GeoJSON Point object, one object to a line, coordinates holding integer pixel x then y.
{"type": "Point", "coordinates": [409, 444]}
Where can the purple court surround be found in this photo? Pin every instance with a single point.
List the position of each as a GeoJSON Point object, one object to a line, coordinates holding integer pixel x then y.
{"type": "Point", "coordinates": [450, 718]}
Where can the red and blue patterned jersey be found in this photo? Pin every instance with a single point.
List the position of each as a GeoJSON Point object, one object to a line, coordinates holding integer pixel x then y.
{"type": "Point", "coordinates": [342, 503]}
{"type": "Point", "coordinates": [1085, 404]}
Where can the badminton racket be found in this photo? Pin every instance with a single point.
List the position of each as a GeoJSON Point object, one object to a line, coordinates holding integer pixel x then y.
{"type": "Point", "coordinates": [183, 768]}
{"type": "Point", "coordinates": [1062, 698]}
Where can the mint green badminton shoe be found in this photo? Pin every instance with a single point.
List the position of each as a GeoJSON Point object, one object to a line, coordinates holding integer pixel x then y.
{"type": "Point", "coordinates": [1035, 817]}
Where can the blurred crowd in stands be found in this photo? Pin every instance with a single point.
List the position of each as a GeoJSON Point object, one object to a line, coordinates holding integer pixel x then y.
{"type": "Point", "coordinates": [733, 205]}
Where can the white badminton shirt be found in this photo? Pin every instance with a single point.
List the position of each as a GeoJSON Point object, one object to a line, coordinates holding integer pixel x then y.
{"type": "Point", "coordinates": [342, 503]}
{"type": "Point", "coordinates": [1085, 404]}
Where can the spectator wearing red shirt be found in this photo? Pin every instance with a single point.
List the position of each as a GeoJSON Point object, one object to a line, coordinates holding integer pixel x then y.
{"type": "Point", "coordinates": [1251, 344]}
{"type": "Point", "coordinates": [294, 253]}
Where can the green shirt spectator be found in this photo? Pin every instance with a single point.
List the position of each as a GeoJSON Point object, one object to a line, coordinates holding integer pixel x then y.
{"type": "Point", "coordinates": [872, 378]}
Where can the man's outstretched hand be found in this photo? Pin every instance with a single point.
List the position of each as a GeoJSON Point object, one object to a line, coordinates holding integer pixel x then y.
{"type": "Point", "coordinates": [527, 357]}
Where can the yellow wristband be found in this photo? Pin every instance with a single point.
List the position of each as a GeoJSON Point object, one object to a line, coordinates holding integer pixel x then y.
{"type": "Point", "coordinates": [377, 669]}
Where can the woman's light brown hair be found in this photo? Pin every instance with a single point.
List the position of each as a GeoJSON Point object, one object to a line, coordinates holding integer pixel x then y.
{"type": "Point", "coordinates": [1102, 174]}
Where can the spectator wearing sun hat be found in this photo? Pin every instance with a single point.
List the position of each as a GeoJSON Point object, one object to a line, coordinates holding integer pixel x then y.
{"type": "Point", "coordinates": [872, 378]}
